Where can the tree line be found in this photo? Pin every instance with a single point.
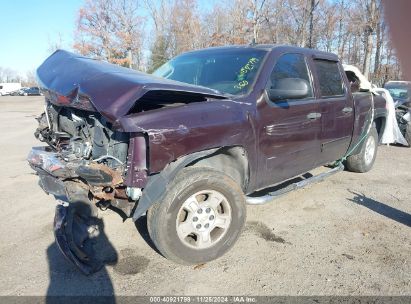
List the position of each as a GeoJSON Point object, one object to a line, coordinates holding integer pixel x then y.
{"type": "Point", "coordinates": [10, 75]}
{"type": "Point", "coordinates": [143, 34]}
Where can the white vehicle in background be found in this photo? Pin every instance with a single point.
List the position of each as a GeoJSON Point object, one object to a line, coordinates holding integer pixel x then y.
{"type": "Point", "coordinates": [397, 127]}
{"type": "Point", "coordinates": [7, 87]}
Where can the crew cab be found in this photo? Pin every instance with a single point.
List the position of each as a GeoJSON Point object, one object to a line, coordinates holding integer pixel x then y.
{"type": "Point", "coordinates": [189, 145]}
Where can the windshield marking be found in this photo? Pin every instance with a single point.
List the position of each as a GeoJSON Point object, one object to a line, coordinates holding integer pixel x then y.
{"type": "Point", "coordinates": [248, 67]}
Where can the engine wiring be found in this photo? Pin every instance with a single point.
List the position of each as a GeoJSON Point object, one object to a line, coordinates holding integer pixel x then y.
{"type": "Point", "coordinates": [107, 156]}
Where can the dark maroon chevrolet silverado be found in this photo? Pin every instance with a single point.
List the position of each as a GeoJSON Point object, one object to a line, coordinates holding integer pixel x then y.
{"type": "Point", "coordinates": [194, 142]}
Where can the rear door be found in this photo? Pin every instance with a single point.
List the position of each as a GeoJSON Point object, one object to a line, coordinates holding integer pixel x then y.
{"type": "Point", "coordinates": [336, 109]}
{"type": "Point", "coordinates": [288, 129]}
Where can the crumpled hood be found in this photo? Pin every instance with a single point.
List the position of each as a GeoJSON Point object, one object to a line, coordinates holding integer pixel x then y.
{"type": "Point", "coordinates": [80, 82]}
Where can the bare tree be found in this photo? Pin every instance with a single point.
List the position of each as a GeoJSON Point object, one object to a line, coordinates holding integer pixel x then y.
{"type": "Point", "coordinates": [369, 29]}
{"type": "Point", "coordinates": [185, 26]}
{"type": "Point", "coordinates": [55, 44]}
{"type": "Point", "coordinates": [31, 78]}
{"type": "Point", "coordinates": [159, 51]}
{"type": "Point", "coordinates": [115, 29]}
{"type": "Point", "coordinates": [313, 6]}
{"type": "Point", "coordinates": [9, 75]}
{"type": "Point", "coordinates": [111, 30]}
{"type": "Point", "coordinates": [258, 16]}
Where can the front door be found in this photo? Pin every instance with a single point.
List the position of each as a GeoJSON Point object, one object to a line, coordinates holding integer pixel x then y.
{"type": "Point", "coordinates": [288, 129]}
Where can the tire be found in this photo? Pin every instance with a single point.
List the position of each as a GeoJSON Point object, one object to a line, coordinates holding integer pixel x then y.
{"type": "Point", "coordinates": [364, 160]}
{"type": "Point", "coordinates": [25, 94]}
{"type": "Point", "coordinates": [196, 188]}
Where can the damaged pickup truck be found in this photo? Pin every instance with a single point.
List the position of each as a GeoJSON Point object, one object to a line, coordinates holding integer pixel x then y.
{"type": "Point", "coordinates": [191, 144]}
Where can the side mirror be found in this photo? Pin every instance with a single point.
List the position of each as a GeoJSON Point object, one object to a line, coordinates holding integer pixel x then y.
{"type": "Point", "coordinates": [288, 88]}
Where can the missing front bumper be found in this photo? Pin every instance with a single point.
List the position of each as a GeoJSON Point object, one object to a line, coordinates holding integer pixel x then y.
{"type": "Point", "coordinates": [50, 169]}
{"type": "Point", "coordinates": [74, 215]}
{"type": "Point", "coordinates": [77, 229]}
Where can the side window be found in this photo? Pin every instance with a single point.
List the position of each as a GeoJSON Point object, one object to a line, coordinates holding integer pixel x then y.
{"type": "Point", "coordinates": [329, 75]}
{"type": "Point", "coordinates": [291, 66]}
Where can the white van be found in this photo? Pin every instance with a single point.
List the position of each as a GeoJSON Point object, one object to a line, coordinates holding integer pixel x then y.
{"type": "Point", "coordinates": [7, 87]}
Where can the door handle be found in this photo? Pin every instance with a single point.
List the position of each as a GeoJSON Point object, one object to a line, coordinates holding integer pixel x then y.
{"type": "Point", "coordinates": [313, 116]}
{"type": "Point", "coordinates": [347, 110]}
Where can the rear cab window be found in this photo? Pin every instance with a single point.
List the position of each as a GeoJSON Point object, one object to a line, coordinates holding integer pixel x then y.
{"type": "Point", "coordinates": [330, 80]}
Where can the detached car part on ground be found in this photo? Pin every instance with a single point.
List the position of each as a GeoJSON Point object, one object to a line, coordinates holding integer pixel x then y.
{"type": "Point", "coordinates": [193, 149]}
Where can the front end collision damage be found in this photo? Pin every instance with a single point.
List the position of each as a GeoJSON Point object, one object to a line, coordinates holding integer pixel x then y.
{"type": "Point", "coordinates": [176, 118]}
{"type": "Point", "coordinates": [75, 188]}
{"type": "Point", "coordinates": [62, 178]}
{"type": "Point", "coordinates": [74, 81]}
{"type": "Point", "coordinates": [78, 189]}
{"type": "Point", "coordinates": [165, 125]}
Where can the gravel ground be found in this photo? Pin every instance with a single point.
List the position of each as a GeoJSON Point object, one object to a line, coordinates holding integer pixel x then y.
{"type": "Point", "coordinates": [349, 235]}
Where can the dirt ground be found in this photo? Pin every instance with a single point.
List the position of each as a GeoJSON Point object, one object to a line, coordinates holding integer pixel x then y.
{"type": "Point", "coordinates": [349, 235]}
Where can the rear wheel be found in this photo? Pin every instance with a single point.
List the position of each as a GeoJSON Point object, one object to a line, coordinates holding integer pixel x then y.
{"type": "Point", "coordinates": [200, 217]}
{"type": "Point", "coordinates": [364, 160]}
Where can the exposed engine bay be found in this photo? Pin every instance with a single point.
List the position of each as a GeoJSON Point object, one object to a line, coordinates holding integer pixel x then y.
{"type": "Point", "coordinates": [84, 154]}
{"type": "Point", "coordinates": [84, 167]}
{"type": "Point", "coordinates": [84, 135]}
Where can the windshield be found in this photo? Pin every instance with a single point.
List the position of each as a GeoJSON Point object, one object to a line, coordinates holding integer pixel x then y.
{"type": "Point", "coordinates": [230, 71]}
{"type": "Point", "coordinates": [399, 90]}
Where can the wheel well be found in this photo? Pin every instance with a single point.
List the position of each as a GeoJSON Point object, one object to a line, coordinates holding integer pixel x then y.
{"type": "Point", "coordinates": [380, 126]}
{"type": "Point", "coordinates": [232, 161]}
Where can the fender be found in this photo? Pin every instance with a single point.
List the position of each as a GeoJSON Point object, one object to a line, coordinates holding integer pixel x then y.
{"type": "Point", "coordinates": [158, 184]}
{"type": "Point", "coordinates": [173, 132]}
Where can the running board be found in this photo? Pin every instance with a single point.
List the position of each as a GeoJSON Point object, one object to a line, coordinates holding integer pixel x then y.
{"type": "Point", "coordinates": [261, 200]}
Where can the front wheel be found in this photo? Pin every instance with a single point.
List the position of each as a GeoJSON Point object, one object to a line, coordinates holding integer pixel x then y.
{"type": "Point", "coordinates": [364, 160]}
{"type": "Point", "coordinates": [199, 218]}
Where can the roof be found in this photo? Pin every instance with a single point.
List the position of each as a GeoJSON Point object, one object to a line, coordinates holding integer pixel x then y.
{"type": "Point", "coordinates": [271, 47]}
